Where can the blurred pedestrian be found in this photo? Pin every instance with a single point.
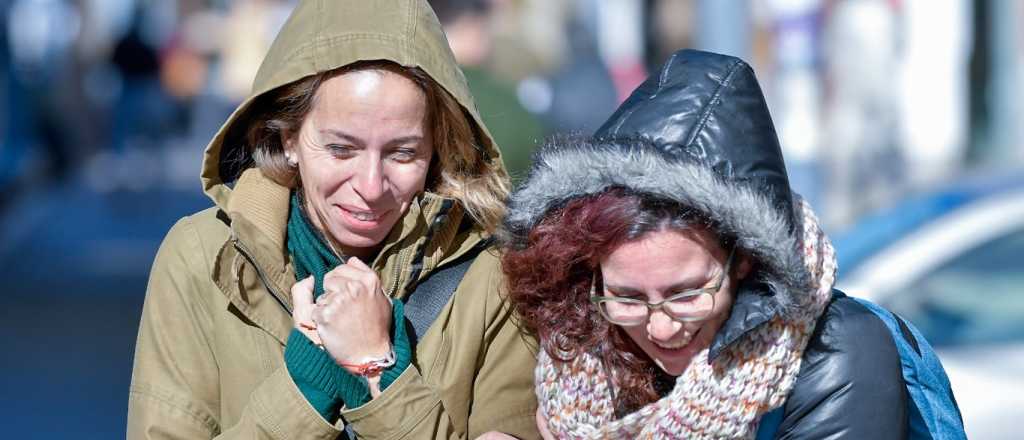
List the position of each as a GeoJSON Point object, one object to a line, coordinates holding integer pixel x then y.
{"type": "Point", "coordinates": [680, 289]}
{"type": "Point", "coordinates": [144, 112]}
{"type": "Point", "coordinates": [40, 39]}
{"type": "Point", "coordinates": [467, 25]}
{"type": "Point", "coordinates": [359, 178]}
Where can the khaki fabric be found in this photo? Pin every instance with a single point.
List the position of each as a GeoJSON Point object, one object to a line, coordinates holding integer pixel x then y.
{"type": "Point", "coordinates": [209, 356]}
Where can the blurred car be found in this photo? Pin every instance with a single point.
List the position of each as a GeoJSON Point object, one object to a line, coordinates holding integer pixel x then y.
{"type": "Point", "coordinates": [951, 261]}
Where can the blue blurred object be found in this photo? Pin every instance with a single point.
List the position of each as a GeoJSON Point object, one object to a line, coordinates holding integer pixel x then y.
{"type": "Point", "coordinates": [949, 261]}
{"type": "Point", "coordinates": [74, 263]}
{"type": "Point", "coordinates": [875, 231]}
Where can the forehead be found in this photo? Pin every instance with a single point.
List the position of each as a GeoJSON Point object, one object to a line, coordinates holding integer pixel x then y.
{"type": "Point", "coordinates": [378, 94]}
{"type": "Point", "coordinates": [661, 259]}
{"type": "Point", "coordinates": [662, 245]}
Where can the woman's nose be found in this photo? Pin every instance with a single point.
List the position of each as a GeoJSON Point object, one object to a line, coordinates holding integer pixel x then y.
{"type": "Point", "coordinates": [369, 179]}
{"type": "Point", "coordinates": [661, 327]}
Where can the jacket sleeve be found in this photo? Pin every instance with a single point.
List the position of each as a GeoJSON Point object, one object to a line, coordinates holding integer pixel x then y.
{"type": "Point", "coordinates": [502, 383]}
{"type": "Point", "coordinates": [175, 390]}
{"type": "Point", "coordinates": [850, 385]}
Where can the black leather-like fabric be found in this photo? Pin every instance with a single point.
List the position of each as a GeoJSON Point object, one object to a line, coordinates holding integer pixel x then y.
{"type": "Point", "coordinates": [709, 109]}
{"type": "Point", "coordinates": [753, 306]}
{"type": "Point", "coordinates": [850, 384]}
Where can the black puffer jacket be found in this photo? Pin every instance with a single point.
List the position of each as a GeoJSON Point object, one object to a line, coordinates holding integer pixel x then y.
{"type": "Point", "coordinates": [715, 149]}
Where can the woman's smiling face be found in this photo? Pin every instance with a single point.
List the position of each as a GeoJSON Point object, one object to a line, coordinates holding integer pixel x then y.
{"type": "Point", "coordinates": [363, 154]}
{"type": "Point", "coordinates": [658, 265]}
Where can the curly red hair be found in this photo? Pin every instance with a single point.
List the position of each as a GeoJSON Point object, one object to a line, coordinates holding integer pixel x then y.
{"type": "Point", "coordinates": [549, 282]}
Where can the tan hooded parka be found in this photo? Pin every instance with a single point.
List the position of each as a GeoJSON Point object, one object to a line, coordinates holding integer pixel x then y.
{"type": "Point", "coordinates": [209, 357]}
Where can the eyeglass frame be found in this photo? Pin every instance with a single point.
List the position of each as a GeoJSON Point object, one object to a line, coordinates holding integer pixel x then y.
{"type": "Point", "coordinates": [596, 300]}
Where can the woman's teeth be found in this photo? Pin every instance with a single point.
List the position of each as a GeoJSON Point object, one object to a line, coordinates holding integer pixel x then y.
{"type": "Point", "coordinates": [364, 216]}
{"type": "Point", "coordinates": [675, 345]}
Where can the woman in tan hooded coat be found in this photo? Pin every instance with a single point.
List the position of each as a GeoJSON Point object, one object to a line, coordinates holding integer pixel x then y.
{"type": "Point", "coordinates": [360, 125]}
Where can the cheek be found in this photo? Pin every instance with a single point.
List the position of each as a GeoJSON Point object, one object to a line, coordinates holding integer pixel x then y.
{"type": "Point", "coordinates": [409, 180]}
{"type": "Point", "coordinates": [325, 176]}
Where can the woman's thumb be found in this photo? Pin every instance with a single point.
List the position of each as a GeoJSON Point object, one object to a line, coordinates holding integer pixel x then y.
{"type": "Point", "coordinates": [302, 292]}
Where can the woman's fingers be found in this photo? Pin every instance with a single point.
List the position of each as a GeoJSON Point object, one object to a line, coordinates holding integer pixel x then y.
{"type": "Point", "coordinates": [353, 317]}
{"type": "Point", "coordinates": [495, 435]}
{"type": "Point", "coordinates": [303, 308]}
{"type": "Point", "coordinates": [345, 299]}
{"type": "Point", "coordinates": [326, 306]}
{"type": "Point", "coordinates": [542, 426]}
{"type": "Point", "coordinates": [357, 263]}
{"type": "Point", "coordinates": [302, 293]}
{"type": "Point", "coordinates": [353, 270]}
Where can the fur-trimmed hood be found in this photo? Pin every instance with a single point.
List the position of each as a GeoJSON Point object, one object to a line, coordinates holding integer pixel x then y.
{"type": "Point", "coordinates": [697, 132]}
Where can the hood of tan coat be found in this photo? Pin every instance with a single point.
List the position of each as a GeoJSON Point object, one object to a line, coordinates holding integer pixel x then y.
{"type": "Point", "coordinates": [322, 35]}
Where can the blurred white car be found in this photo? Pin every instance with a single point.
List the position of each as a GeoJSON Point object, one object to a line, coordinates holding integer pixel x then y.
{"type": "Point", "coordinates": [952, 263]}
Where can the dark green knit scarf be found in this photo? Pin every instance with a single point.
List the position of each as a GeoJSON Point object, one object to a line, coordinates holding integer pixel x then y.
{"type": "Point", "coordinates": [311, 256]}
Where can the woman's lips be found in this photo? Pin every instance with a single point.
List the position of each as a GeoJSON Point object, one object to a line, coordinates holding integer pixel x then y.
{"type": "Point", "coordinates": [361, 219]}
{"type": "Point", "coordinates": [676, 345]}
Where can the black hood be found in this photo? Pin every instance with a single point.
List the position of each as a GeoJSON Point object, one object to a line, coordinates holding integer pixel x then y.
{"type": "Point", "coordinates": [697, 132]}
{"type": "Point", "coordinates": [708, 109]}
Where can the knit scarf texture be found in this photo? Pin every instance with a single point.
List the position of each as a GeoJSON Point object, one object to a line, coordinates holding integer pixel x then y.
{"type": "Point", "coordinates": [310, 255]}
{"type": "Point", "coordinates": [722, 399]}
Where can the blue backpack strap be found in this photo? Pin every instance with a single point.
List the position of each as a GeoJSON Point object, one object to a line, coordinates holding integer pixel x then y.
{"type": "Point", "coordinates": [933, 411]}
{"type": "Point", "coordinates": [770, 423]}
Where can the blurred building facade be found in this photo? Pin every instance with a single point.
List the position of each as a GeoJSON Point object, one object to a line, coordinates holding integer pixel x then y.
{"type": "Point", "coordinates": [107, 106]}
{"type": "Point", "coordinates": [872, 98]}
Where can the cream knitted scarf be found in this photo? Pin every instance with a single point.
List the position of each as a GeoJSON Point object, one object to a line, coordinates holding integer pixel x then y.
{"type": "Point", "coordinates": [724, 399]}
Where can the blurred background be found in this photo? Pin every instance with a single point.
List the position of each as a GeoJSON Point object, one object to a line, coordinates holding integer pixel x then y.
{"type": "Point", "coordinates": [901, 121]}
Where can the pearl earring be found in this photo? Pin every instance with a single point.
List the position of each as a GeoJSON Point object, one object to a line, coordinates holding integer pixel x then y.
{"type": "Point", "coordinates": [291, 160]}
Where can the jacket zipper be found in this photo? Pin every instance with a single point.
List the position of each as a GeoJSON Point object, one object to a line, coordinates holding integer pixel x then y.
{"type": "Point", "coordinates": [405, 254]}
{"type": "Point", "coordinates": [262, 275]}
{"type": "Point", "coordinates": [393, 290]}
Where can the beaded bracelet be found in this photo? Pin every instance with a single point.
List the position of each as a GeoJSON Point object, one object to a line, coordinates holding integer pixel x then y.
{"type": "Point", "coordinates": [371, 367]}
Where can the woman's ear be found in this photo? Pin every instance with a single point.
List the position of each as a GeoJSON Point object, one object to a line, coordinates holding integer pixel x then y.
{"type": "Point", "coordinates": [288, 144]}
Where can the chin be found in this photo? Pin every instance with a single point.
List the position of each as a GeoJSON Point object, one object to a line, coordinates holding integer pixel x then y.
{"type": "Point", "coordinates": [363, 240]}
{"type": "Point", "coordinates": [673, 368]}
{"type": "Point", "coordinates": [674, 364]}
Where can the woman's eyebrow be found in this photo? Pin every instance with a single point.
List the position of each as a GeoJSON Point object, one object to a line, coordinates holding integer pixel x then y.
{"type": "Point", "coordinates": [354, 140]}
{"type": "Point", "coordinates": [623, 289]}
{"type": "Point", "coordinates": [404, 140]}
{"type": "Point", "coordinates": [687, 284]}
{"type": "Point", "coordinates": [696, 280]}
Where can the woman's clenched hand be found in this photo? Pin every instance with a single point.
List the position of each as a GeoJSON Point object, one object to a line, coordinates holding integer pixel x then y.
{"type": "Point", "coordinates": [353, 317]}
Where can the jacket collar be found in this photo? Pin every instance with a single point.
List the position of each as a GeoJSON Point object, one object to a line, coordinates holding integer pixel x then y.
{"type": "Point", "coordinates": [753, 306]}
{"type": "Point", "coordinates": [258, 209]}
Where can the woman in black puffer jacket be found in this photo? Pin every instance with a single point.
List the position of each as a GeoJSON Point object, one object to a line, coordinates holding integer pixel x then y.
{"type": "Point", "coordinates": [680, 289]}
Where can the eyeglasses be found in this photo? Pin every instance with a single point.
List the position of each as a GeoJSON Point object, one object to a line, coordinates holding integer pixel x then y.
{"type": "Point", "coordinates": [688, 306]}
